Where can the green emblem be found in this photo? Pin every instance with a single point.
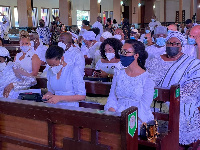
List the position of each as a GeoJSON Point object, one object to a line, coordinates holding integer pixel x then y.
{"type": "Point", "coordinates": [132, 123]}
{"type": "Point", "coordinates": [155, 93]}
{"type": "Point", "coordinates": [177, 92]}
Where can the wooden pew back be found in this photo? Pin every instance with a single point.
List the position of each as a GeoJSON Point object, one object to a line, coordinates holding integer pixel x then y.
{"type": "Point", "coordinates": [169, 140]}
{"type": "Point", "coordinates": [29, 125]}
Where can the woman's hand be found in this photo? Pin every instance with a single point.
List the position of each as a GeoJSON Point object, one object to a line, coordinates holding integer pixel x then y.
{"type": "Point", "coordinates": [103, 74]}
{"type": "Point", "coordinates": [53, 99]}
{"type": "Point", "coordinates": [111, 109]}
{"type": "Point", "coordinates": [7, 90]}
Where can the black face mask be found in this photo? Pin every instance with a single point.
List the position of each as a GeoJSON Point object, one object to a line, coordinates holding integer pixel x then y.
{"type": "Point", "coordinates": [172, 51]}
{"type": "Point", "coordinates": [41, 25]}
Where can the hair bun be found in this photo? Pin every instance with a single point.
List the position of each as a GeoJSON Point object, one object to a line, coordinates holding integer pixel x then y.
{"type": "Point", "coordinates": [24, 34]}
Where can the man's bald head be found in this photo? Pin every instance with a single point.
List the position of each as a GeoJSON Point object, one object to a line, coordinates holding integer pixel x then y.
{"type": "Point", "coordinates": [195, 32]}
{"type": "Point", "coordinates": [172, 27]}
{"type": "Point", "coordinates": [66, 38]}
{"type": "Point", "coordinates": [35, 38]}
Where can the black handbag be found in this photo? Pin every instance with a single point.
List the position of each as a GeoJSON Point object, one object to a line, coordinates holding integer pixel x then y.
{"type": "Point", "coordinates": [30, 97]}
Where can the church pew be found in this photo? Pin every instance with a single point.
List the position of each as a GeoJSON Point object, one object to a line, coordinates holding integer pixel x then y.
{"type": "Point", "coordinates": [13, 49]}
{"type": "Point", "coordinates": [28, 125]}
{"type": "Point", "coordinates": [170, 139]}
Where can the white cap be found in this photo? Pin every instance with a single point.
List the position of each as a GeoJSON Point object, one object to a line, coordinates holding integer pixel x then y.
{"type": "Point", "coordinates": [4, 52]}
{"type": "Point", "coordinates": [106, 35]}
{"type": "Point", "coordinates": [89, 35]}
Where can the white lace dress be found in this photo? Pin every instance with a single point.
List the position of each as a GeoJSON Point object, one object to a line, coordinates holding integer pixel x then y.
{"type": "Point", "coordinates": [184, 71]}
{"type": "Point", "coordinates": [108, 67]}
{"type": "Point", "coordinates": [20, 81]}
{"type": "Point", "coordinates": [70, 83]}
{"type": "Point", "coordinates": [25, 63]}
{"type": "Point", "coordinates": [129, 91]}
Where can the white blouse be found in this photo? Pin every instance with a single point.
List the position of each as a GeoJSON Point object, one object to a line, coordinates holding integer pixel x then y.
{"type": "Point", "coordinates": [25, 63]}
{"type": "Point", "coordinates": [70, 83]}
{"type": "Point", "coordinates": [108, 67]}
{"type": "Point", "coordinates": [129, 91]}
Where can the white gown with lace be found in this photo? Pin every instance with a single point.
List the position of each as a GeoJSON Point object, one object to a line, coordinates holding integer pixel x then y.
{"type": "Point", "coordinates": [20, 81]}
{"type": "Point", "coordinates": [129, 91]}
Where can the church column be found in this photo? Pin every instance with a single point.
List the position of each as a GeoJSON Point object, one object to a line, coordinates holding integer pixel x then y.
{"type": "Point", "coordinates": [198, 10]}
{"type": "Point", "coordinates": [180, 10]}
{"type": "Point", "coordinates": [93, 11]}
{"type": "Point", "coordinates": [149, 12]}
{"type": "Point", "coordinates": [63, 11]}
{"type": "Point", "coordinates": [24, 13]}
{"type": "Point", "coordinates": [191, 8]}
{"type": "Point", "coordinates": [117, 10]}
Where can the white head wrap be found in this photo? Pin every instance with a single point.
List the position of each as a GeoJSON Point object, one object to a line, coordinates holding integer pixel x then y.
{"type": "Point", "coordinates": [177, 35]}
{"type": "Point", "coordinates": [106, 35]}
{"type": "Point", "coordinates": [89, 35]}
{"type": "Point", "coordinates": [4, 52]}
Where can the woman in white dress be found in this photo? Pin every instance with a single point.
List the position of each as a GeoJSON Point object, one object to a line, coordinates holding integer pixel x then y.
{"type": "Point", "coordinates": [27, 59]}
{"type": "Point", "coordinates": [13, 78]}
{"type": "Point", "coordinates": [132, 86]}
{"type": "Point", "coordinates": [65, 83]}
{"type": "Point", "coordinates": [110, 60]}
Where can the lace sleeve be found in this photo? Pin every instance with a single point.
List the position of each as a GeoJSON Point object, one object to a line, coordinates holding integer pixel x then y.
{"type": "Point", "coordinates": [112, 99]}
{"type": "Point", "coordinates": [190, 91]}
{"type": "Point", "coordinates": [26, 80]}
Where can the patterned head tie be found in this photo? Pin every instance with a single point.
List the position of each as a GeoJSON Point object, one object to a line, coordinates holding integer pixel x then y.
{"type": "Point", "coordinates": [177, 35]}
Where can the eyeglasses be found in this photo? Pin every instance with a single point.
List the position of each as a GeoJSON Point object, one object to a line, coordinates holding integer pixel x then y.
{"type": "Point", "coordinates": [173, 44]}
{"type": "Point", "coordinates": [123, 52]}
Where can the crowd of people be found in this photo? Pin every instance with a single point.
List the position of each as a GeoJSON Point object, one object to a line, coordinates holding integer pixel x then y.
{"type": "Point", "coordinates": [161, 56]}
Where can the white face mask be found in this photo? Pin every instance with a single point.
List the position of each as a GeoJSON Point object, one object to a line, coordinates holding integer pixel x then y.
{"type": "Point", "coordinates": [117, 36]}
{"type": "Point", "coordinates": [110, 56]}
{"type": "Point", "coordinates": [152, 20]}
{"type": "Point", "coordinates": [61, 44]}
{"type": "Point", "coordinates": [56, 69]}
{"type": "Point", "coordinates": [25, 49]}
{"type": "Point", "coordinates": [2, 66]}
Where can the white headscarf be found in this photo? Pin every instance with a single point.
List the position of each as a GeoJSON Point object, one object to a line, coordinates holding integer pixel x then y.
{"type": "Point", "coordinates": [89, 35]}
{"type": "Point", "coordinates": [177, 35]}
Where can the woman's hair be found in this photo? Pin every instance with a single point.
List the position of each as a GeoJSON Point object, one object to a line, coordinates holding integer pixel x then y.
{"type": "Point", "coordinates": [95, 30]}
{"type": "Point", "coordinates": [54, 52]}
{"type": "Point", "coordinates": [139, 48]}
{"type": "Point", "coordinates": [114, 43]}
{"type": "Point", "coordinates": [87, 23]}
{"type": "Point", "coordinates": [114, 21]}
{"type": "Point", "coordinates": [24, 34]}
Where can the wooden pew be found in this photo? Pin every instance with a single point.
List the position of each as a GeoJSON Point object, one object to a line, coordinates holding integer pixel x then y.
{"type": "Point", "coordinates": [170, 139]}
{"type": "Point", "coordinates": [27, 125]}
{"type": "Point", "coordinates": [13, 49]}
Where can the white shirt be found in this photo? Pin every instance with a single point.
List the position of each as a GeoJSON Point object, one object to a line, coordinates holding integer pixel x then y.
{"type": "Point", "coordinates": [109, 68]}
{"type": "Point", "coordinates": [74, 57]}
{"type": "Point", "coordinates": [25, 63]}
{"type": "Point", "coordinates": [70, 83]}
{"type": "Point", "coordinates": [41, 51]}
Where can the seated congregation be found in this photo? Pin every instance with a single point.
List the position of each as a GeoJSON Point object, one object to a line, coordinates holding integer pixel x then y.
{"type": "Point", "coordinates": [156, 75]}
